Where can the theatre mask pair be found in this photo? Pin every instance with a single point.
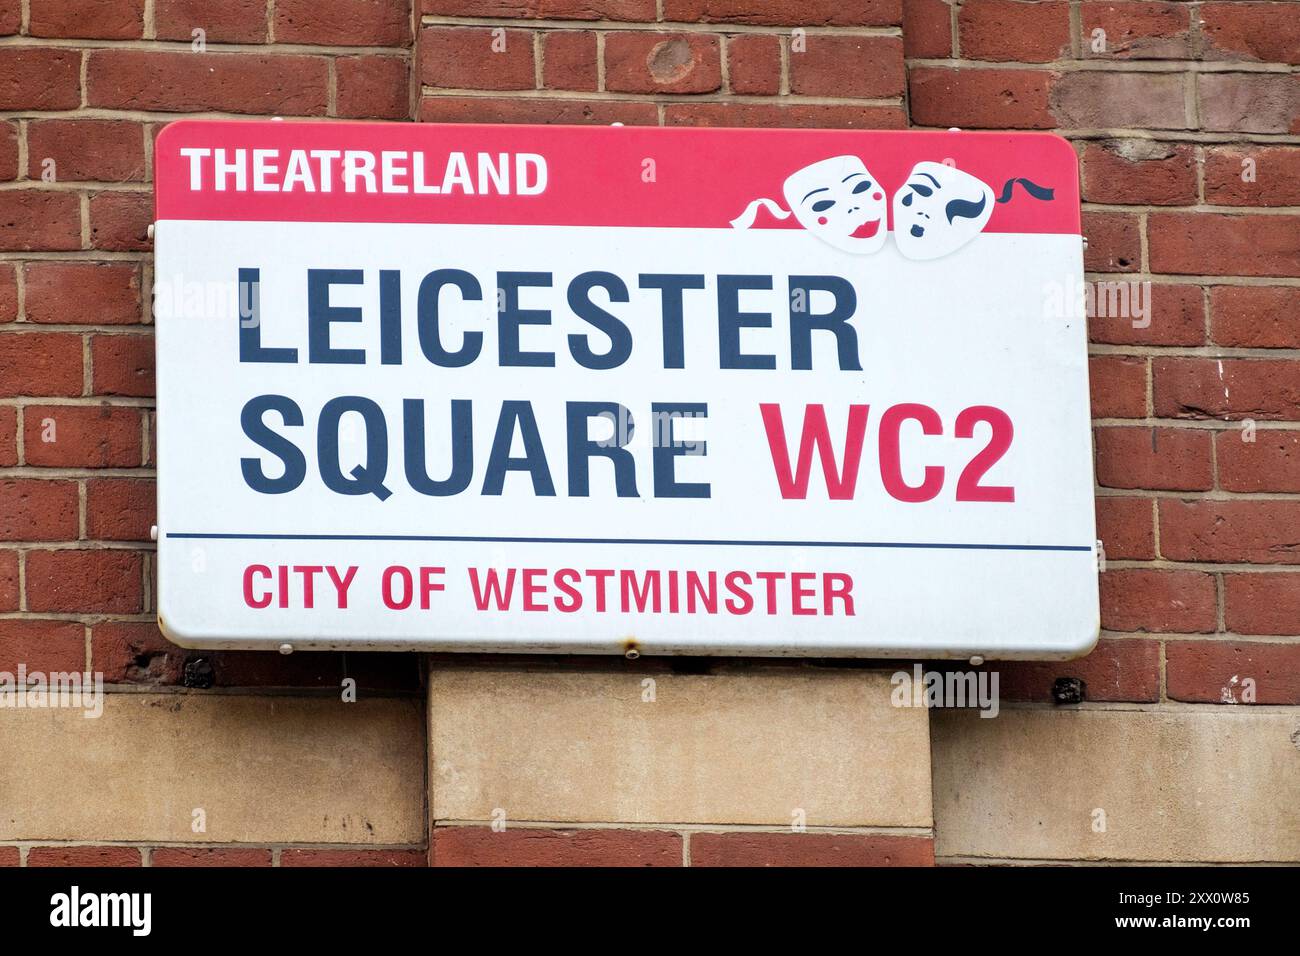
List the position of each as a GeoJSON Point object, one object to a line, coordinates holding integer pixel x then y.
{"type": "Point", "coordinates": [937, 211]}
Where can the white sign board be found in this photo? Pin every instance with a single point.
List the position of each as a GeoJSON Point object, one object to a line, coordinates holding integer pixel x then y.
{"type": "Point", "coordinates": [573, 389]}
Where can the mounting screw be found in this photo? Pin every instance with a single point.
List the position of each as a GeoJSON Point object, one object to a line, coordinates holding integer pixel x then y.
{"type": "Point", "coordinates": [198, 673]}
{"type": "Point", "coordinates": [976, 661]}
{"type": "Point", "coordinates": [1069, 690]}
{"type": "Point", "coordinates": [286, 649]}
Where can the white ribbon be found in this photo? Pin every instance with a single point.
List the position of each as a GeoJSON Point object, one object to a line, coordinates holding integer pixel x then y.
{"type": "Point", "coordinates": [746, 218]}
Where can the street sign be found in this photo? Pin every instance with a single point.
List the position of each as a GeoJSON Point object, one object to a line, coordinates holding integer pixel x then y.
{"type": "Point", "coordinates": [607, 389]}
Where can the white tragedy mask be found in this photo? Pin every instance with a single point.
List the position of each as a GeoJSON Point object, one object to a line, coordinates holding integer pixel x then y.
{"type": "Point", "coordinates": [839, 202]}
{"type": "Point", "coordinates": [939, 210]}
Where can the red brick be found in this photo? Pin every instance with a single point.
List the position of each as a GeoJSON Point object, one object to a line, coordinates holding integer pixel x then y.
{"type": "Point", "coordinates": [1270, 461]}
{"type": "Point", "coordinates": [31, 219]}
{"type": "Point", "coordinates": [865, 13]}
{"type": "Point", "coordinates": [644, 62]}
{"type": "Point", "coordinates": [754, 64]}
{"type": "Point", "coordinates": [1137, 31]}
{"type": "Point", "coordinates": [927, 28]}
{"type": "Point", "coordinates": [795, 115]}
{"type": "Point", "coordinates": [40, 363]}
{"type": "Point", "coordinates": [1139, 172]}
{"type": "Point", "coordinates": [1116, 670]}
{"type": "Point", "coordinates": [477, 58]}
{"type": "Point", "coordinates": [87, 582]}
{"type": "Point", "coordinates": [8, 151]}
{"type": "Point", "coordinates": [643, 10]}
{"type": "Point", "coordinates": [82, 293]}
{"type": "Point", "coordinates": [279, 84]}
{"type": "Point", "coordinates": [210, 856]}
{"type": "Point", "coordinates": [979, 99]}
{"type": "Point", "coordinates": [8, 435]}
{"type": "Point", "coordinates": [88, 19]}
{"type": "Point", "coordinates": [120, 509]}
{"type": "Point", "coordinates": [122, 365]}
{"type": "Point", "coordinates": [83, 856]}
{"type": "Point", "coordinates": [569, 60]}
{"type": "Point", "coordinates": [39, 78]}
{"type": "Point", "coordinates": [868, 67]}
{"type": "Point", "coordinates": [1014, 30]}
{"type": "Point", "coordinates": [373, 87]}
{"type": "Point", "coordinates": [1114, 242]}
{"type": "Point", "coordinates": [8, 293]}
{"type": "Point", "coordinates": [1119, 386]}
{"type": "Point", "coordinates": [519, 109]}
{"type": "Point", "coordinates": [229, 21]}
{"type": "Point", "coordinates": [1220, 244]}
{"type": "Point", "coordinates": [1174, 314]}
{"type": "Point", "coordinates": [1261, 317]}
{"type": "Point", "coordinates": [350, 857]}
{"type": "Point", "coordinates": [46, 646]}
{"type": "Point", "coordinates": [1262, 603]}
{"type": "Point", "coordinates": [100, 150]}
{"type": "Point", "coordinates": [756, 848]}
{"type": "Point", "coordinates": [343, 22]}
{"type": "Point", "coordinates": [82, 436]}
{"type": "Point", "coordinates": [1269, 32]}
{"type": "Point", "coordinates": [1274, 175]}
{"type": "Point", "coordinates": [1126, 527]}
{"type": "Point", "coordinates": [36, 509]}
{"type": "Point", "coordinates": [1227, 388]}
{"type": "Point", "coordinates": [1249, 102]}
{"type": "Point", "coordinates": [131, 652]}
{"type": "Point", "coordinates": [11, 21]}
{"type": "Point", "coordinates": [1255, 531]}
{"type": "Point", "coordinates": [119, 221]}
{"type": "Point", "coordinates": [1102, 99]}
{"type": "Point", "coordinates": [1143, 599]}
{"type": "Point", "coordinates": [1214, 672]}
{"type": "Point", "coordinates": [9, 856]}
{"type": "Point", "coordinates": [525, 846]}
{"type": "Point", "coordinates": [1173, 459]}
{"type": "Point", "coordinates": [8, 580]}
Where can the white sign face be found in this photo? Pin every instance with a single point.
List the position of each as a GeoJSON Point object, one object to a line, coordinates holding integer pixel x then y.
{"type": "Point", "coordinates": [570, 389]}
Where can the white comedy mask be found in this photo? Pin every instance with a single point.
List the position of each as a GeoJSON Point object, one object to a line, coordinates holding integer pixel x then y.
{"type": "Point", "coordinates": [839, 202]}
{"type": "Point", "coordinates": [939, 210]}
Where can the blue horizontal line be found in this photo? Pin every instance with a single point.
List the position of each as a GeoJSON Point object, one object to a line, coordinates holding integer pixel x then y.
{"type": "Point", "coordinates": [698, 542]}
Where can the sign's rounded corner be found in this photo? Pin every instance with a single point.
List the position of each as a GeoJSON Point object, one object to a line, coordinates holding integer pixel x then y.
{"type": "Point", "coordinates": [1060, 142]}
{"type": "Point", "coordinates": [176, 635]}
{"type": "Point", "coordinates": [1083, 648]}
{"type": "Point", "coordinates": [170, 130]}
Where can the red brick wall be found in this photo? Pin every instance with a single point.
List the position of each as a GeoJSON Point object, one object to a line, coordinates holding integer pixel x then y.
{"type": "Point", "coordinates": [1197, 414]}
{"type": "Point", "coordinates": [85, 85]}
{"type": "Point", "coordinates": [1169, 105]}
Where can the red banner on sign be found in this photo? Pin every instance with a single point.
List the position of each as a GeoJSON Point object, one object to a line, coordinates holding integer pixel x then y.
{"type": "Point", "coordinates": [614, 176]}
